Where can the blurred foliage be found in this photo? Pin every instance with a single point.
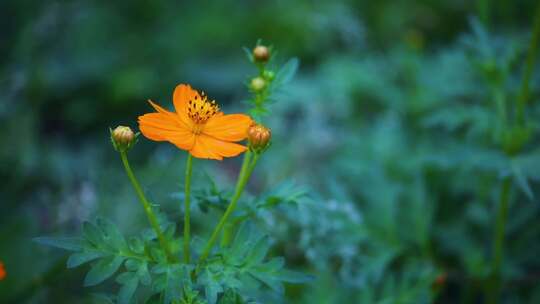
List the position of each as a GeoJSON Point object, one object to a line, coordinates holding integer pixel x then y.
{"type": "Point", "coordinates": [389, 153]}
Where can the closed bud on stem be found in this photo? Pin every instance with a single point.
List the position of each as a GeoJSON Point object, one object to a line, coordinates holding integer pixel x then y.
{"type": "Point", "coordinates": [440, 281]}
{"type": "Point", "coordinates": [269, 75]}
{"type": "Point", "coordinates": [257, 84]}
{"type": "Point", "coordinates": [259, 137]}
{"type": "Point", "coordinates": [3, 273]}
{"type": "Point", "coordinates": [261, 53]}
{"type": "Point", "coordinates": [123, 138]}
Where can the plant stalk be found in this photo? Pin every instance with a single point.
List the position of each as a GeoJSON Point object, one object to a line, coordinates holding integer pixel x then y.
{"type": "Point", "coordinates": [483, 11]}
{"type": "Point", "coordinates": [495, 281]}
{"type": "Point", "coordinates": [147, 207]}
{"type": "Point", "coordinates": [243, 177]}
{"type": "Point", "coordinates": [523, 97]}
{"type": "Point", "coordinates": [494, 289]}
{"type": "Point", "coordinates": [187, 208]}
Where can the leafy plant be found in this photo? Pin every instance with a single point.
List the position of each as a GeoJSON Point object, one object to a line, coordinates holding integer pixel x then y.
{"type": "Point", "coordinates": [148, 266]}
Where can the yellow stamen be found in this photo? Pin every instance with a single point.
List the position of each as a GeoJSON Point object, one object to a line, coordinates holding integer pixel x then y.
{"type": "Point", "coordinates": [200, 109]}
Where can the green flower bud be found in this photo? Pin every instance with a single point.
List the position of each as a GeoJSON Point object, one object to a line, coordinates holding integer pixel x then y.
{"type": "Point", "coordinates": [269, 75]}
{"type": "Point", "coordinates": [257, 84]}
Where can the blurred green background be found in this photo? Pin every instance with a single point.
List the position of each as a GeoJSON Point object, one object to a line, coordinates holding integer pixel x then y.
{"type": "Point", "coordinates": [388, 152]}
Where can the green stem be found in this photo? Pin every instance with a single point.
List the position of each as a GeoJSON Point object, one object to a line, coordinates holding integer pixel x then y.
{"type": "Point", "coordinates": [227, 234]}
{"type": "Point", "coordinates": [243, 177]}
{"type": "Point", "coordinates": [253, 163]}
{"type": "Point", "coordinates": [523, 97]}
{"type": "Point", "coordinates": [187, 208]}
{"type": "Point", "coordinates": [147, 207]}
{"type": "Point", "coordinates": [494, 284]}
{"type": "Point", "coordinates": [483, 11]}
{"type": "Point", "coordinates": [494, 287]}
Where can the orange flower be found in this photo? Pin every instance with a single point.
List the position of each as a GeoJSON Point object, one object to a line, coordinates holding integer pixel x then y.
{"type": "Point", "coordinates": [197, 125]}
{"type": "Point", "coordinates": [2, 271]}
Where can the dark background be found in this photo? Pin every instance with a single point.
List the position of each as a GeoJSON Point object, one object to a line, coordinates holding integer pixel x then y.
{"type": "Point", "coordinates": [392, 127]}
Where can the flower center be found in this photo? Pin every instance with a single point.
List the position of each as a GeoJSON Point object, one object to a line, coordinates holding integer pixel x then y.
{"type": "Point", "coordinates": [200, 109]}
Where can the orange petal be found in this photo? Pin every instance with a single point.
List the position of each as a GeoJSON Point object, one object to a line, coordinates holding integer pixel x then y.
{"type": "Point", "coordinates": [158, 108]}
{"type": "Point", "coordinates": [166, 127]}
{"type": "Point", "coordinates": [201, 150]}
{"type": "Point", "coordinates": [182, 94]}
{"type": "Point", "coordinates": [231, 127]}
{"type": "Point", "coordinates": [182, 119]}
{"type": "Point", "coordinates": [212, 148]}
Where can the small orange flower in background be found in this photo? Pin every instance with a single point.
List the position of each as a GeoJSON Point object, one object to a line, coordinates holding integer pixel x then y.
{"type": "Point", "coordinates": [197, 125]}
{"type": "Point", "coordinates": [2, 271]}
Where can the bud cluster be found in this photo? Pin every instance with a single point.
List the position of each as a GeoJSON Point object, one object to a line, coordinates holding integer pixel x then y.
{"type": "Point", "coordinates": [261, 55]}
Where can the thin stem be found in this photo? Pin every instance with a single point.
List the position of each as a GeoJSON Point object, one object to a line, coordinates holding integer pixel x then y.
{"type": "Point", "coordinates": [494, 287]}
{"type": "Point", "coordinates": [483, 11]}
{"type": "Point", "coordinates": [228, 230]}
{"type": "Point", "coordinates": [147, 208]}
{"type": "Point", "coordinates": [187, 208]}
{"type": "Point", "coordinates": [523, 97]}
{"type": "Point", "coordinates": [243, 177]}
{"type": "Point", "coordinates": [226, 236]}
{"type": "Point", "coordinates": [253, 163]}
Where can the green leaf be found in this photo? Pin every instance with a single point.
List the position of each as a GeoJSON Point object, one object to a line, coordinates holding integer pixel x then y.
{"type": "Point", "coordinates": [136, 245]}
{"type": "Point", "coordinates": [244, 239]}
{"type": "Point", "coordinates": [133, 264]}
{"type": "Point", "coordinates": [127, 290]}
{"type": "Point", "coordinates": [92, 234]}
{"type": "Point", "coordinates": [249, 54]}
{"type": "Point", "coordinates": [170, 279]}
{"type": "Point", "coordinates": [275, 263]}
{"type": "Point", "coordinates": [249, 284]}
{"type": "Point", "coordinates": [259, 251]}
{"type": "Point", "coordinates": [68, 243]}
{"type": "Point", "coordinates": [79, 258]}
{"type": "Point", "coordinates": [212, 286]}
{"type": "Point", "coordinates": [290, 276]}
{"type": "Point", "coordinates": [102, 270]}
{"type": "Point", "coordinates": [231, 297]}
{"type": "Point", "coordinates": [148, 235]}
{"type": "Point", "coordinates": [125, 277]}
{"type": "Point", "coordinates": [169, 230]}
{"type": "Point", "coordinates": [110, 234]}
{"type": "Point", "coordinates": [191, 296]}
{"type": "Point", "coordinates": [286, 192]}
{"type": "Point", "coordinates": [521, 181]}
{"type": "Point", "coordinates": [102, 298]}
{"type": "Point", "coordinates": [271, 281]}
{"type": "Point", "coordinates": [242, 267]}
{"type": "Point", "coordinates": [130, 280]}
{"type": "Point", "coordinates": [287, 72]}
{"type": "Point", "coordinates": [158, 254]}
{"type": "Point", "coordinates": [144, 274]}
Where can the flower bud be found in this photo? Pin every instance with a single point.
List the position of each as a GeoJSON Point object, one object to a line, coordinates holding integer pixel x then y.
{"type": "Point", "coordinates": [440, 281]}
{"type": "Point", "coordinates": [261, 53]}
{"type": "Point", "coordinates": [259, 137]}
{"type": "Point", "coordinates": [3, 273]}
{"type": "Point", "coordinates": [269, 75]}
{"type": "Point", "coordinates": [257, 84]}
{"type": "Point", "coordinates": [123, 138]}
